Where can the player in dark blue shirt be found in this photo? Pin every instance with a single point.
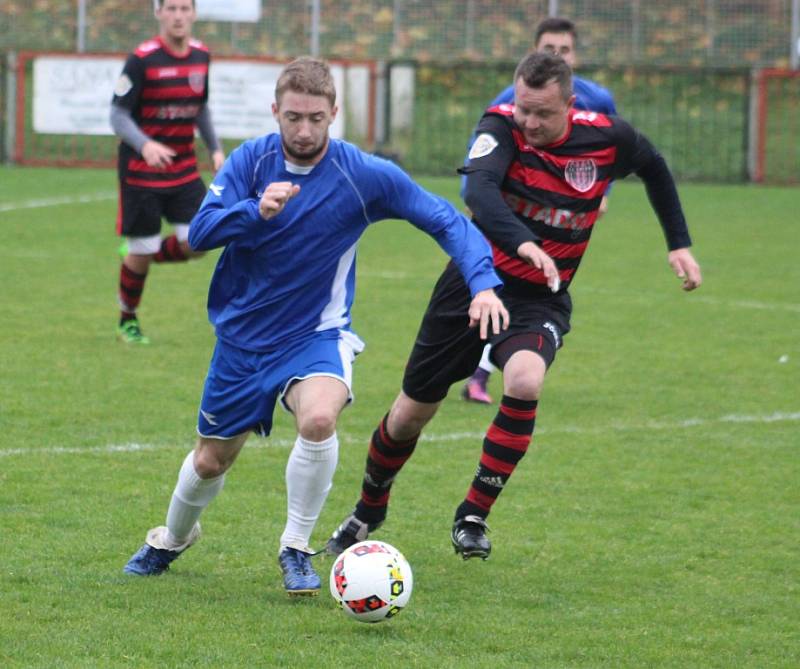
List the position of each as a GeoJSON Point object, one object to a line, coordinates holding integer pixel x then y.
{"type": "Point", "coordinates": [557, 36]}
{"type": "Point", "coordinates": [288, 210]}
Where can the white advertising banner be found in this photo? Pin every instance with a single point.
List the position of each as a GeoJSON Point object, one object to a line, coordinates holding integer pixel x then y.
{"type": "Point", "coordinates": [245, 11]}
{"type": "Point", "coordinates": [72, 96]}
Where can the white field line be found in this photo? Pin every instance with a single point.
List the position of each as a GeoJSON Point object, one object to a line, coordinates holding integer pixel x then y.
{"type": "Point", "coordinates": [778, 417]}
{"type": "Point", "coordinates": [706, 299]}
{"type": "Point", "coordinates": [388, 275]}
{"type": "Point", "coordinates": [749, 304]}
{"type": "Point", "coordinates": [628, 296]}
{"type": "Point", "coordinates": [56, 201]}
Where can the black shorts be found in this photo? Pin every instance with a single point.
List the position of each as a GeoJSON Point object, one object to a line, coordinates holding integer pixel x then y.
{"type": "Point", "coordinates": [447, 350]}
{"type": "Point", "coordinates": [141, 209]}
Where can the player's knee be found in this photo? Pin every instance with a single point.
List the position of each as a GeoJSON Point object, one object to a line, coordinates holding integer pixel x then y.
{"type": "Point", "coordinates": [408, 417]}
{"type": "Point", "coordinates": [523, 384]}
{"type": "Point", "coordinates": [210, 464]}
{"type": "Point", "coordinates": [318, 424]}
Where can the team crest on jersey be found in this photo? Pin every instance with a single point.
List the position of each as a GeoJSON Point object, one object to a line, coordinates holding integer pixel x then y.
{"type": "Point", "coordinates": [483, 146]}
{"type": "Point", "coordinates": [581, 174]}
{"type": "Point", "coordinates": [123, 86]}
{"type": "Point", "coordinates": [197, 81]}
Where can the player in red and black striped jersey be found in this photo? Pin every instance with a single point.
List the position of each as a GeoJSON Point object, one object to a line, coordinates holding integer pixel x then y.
{"type": "Point", "coordinates": [159, 100]}
{"type": "Point", "coordinates": [535, 179]}
{"type": "Point", "coordinates": [528, 189]}
{"type": "Point", "coordinates": [555, 35]}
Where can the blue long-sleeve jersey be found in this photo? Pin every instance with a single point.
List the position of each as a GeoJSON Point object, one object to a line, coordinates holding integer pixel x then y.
{"type": "Point", "coordinates": [283, 279]}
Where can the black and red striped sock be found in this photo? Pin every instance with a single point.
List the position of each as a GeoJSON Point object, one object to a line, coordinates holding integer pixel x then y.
{"type": "Point", "coordinates": [385, 459]}
{"type": "Point", "coordinates": [170, 251]}
{"type": "Point", "coordinates": [506, 441]}
{"type": "Point", "coordinates": [131, 286]}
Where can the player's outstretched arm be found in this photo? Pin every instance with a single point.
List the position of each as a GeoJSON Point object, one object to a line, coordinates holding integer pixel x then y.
{"type": "Point", "coordinates": [391, 193]}
{"type": "Point", "coordinates": [485, 310]}
{"type": "Point", "coordinates": [686, 268]}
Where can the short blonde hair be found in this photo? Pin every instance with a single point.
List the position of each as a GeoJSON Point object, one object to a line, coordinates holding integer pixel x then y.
{"type": "Point", "coordinates": [306, 75]}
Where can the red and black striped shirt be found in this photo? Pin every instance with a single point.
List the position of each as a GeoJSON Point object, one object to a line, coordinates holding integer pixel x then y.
{"type": "Point", "coordinates": [164, 93]}
{"type": "Point", "coordinates": [551, 195]}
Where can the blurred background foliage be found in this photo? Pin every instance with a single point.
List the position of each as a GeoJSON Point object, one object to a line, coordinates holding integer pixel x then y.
{"type": "Point", "coordinates": [612, 32]}
{"type": "Point", "coordinates": [684, 72]}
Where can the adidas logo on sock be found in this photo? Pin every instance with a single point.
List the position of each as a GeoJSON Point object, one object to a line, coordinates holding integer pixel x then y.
{"type": "Point", "coordinates": [494, 481]}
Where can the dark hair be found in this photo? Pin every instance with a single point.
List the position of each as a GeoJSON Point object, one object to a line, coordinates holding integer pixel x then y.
{"type": "Point", "coordinates": [306, 75]}
{"type": "Point", "coordinates": [161, 3]}
{"type": "Point", "coordinates": [538, 69]}
{"type": "Point", "coordinates": [555, 24]}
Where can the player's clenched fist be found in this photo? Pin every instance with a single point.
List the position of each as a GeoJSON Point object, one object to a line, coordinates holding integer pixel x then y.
{"type": "Point", "coordinates": [275, 197]}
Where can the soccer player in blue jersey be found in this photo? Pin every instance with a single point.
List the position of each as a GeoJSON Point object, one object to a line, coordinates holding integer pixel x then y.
{"type": "Point", "coordinates": [556, 36]}
{"type": "Point", "coordinates": [288, 208]}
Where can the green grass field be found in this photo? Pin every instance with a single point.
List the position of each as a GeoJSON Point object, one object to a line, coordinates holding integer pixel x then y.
{"type": "Point", "coordinates": [655, 521]}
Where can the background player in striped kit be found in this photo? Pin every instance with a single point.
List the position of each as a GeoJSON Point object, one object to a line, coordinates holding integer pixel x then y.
{"type": "Point", "coordinates": [535, 179]}
{"type": "Point", "coordinates": [160, 97]}
{"type": "Point", "coordinates": [558, 36]}
{"type": "Point", "coordinates": [289, 209]}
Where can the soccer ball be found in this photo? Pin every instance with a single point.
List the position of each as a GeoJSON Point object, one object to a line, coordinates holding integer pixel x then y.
{"type": "Point", "coordinates": [371, 581]}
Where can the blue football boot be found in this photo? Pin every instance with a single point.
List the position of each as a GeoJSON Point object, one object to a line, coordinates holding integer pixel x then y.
{"type": "Point", "coordinates": [153, 558]}
{"type": "Point", "coordinates": [299, 577]}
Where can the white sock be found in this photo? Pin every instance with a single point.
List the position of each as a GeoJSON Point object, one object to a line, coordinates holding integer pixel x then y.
{"type": "Point", "coordinates": [191, 495]}
{"type": "Point", "coordinates": [484, 364]}
{"type": "Point", "coordinates": [309, 478]}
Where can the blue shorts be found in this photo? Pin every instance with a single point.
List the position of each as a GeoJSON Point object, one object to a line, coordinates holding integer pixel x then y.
{"type": "Point", "coordinates": [242, 387]}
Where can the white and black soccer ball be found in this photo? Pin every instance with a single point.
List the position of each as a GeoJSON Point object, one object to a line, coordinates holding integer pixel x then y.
{"type": "Point", "coordinates": [371, 581]}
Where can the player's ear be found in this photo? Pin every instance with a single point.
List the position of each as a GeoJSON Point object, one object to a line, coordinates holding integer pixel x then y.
{"type": "Point", "coordinates": [275, 110]}
{"type": "Point", "coordinates": [334, 111]}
